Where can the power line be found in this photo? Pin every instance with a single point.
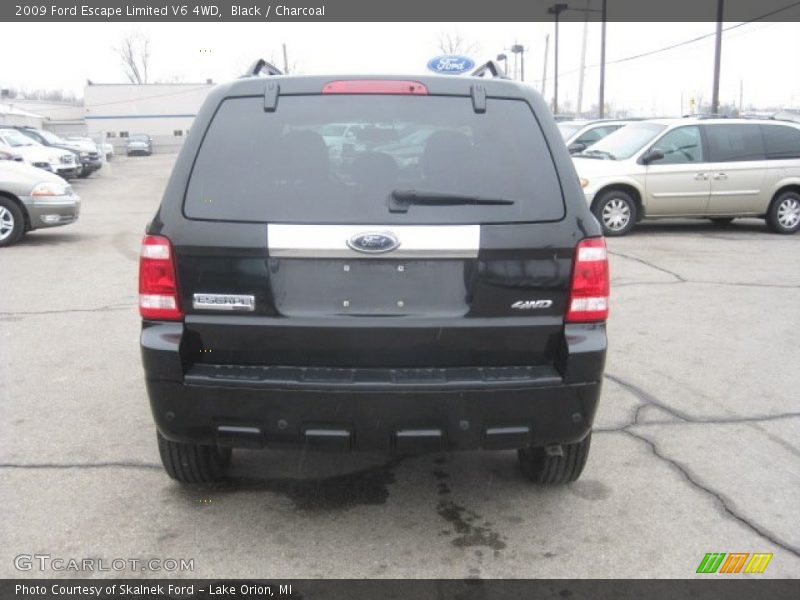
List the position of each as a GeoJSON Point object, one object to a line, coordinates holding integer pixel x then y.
{"type": "Point", "coordinates": [685, 42]}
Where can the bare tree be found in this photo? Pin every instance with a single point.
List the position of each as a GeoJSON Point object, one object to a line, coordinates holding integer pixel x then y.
{"type": "Point", "coordinates": [453, 43]}
{"type": "Point", "coordinates": [134, 52]}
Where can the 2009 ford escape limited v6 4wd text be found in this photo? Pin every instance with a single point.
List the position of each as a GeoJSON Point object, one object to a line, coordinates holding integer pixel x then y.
{"type": "Point", "coordinates": [437, 283]}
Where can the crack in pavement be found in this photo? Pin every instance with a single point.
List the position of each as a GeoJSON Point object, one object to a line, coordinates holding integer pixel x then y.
{"type": "Point", "coordinates": [106, 308]}
{"type": "Point", "coordinates": [647, 399]}
{"type": "Point", "coordinates": [649, 264]}
{"type": "Point", "coordinates": [681, 279]}
{"type": "Point", "coordinates": [84, 465]}
{"type": "Point", "coordinates": [694, 480]}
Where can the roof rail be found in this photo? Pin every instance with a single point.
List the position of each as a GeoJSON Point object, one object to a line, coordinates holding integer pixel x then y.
{"type": "Point", "coordinates": [262, 66]}
{"type": "Point", "coordinates": [490, 67]}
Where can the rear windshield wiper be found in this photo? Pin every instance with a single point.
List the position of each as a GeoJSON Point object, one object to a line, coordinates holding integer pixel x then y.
{"type": "Point", "coordinates": [400, 200]}
{"type": "Point", "coordinates": [591, 153]}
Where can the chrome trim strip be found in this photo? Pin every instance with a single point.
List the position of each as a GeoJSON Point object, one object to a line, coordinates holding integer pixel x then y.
{"type": "Point", "coordinates": [330, 241]}
{"type": "Point", "coordinates": [227, 302]}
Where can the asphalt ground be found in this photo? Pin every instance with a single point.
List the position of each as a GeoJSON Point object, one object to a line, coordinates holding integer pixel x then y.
{"type": "Point", "coordinates": [695, 448]}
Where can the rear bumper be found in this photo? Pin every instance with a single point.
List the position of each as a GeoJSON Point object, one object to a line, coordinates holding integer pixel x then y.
{"type": "Point", "coordinates": [374, 409]}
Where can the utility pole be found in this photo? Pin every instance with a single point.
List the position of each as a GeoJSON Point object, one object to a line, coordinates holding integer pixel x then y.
{"type": "Point", "coordinates": [583, 58]}
{"type": "Point", "coordinates": [741, 97]}
{"type": "Point", "coordinates": [717, 58]}
{"type": "Point", "coordinates": [556, 10]}
{"type": "Point", "coordinates": [285, 60]}
{"type": "Point", "coordinates": [519, 49]}
{"type": "Point", "coordinates": [544, 69]}
{"type": "Point", "coordinates": [602, 101]}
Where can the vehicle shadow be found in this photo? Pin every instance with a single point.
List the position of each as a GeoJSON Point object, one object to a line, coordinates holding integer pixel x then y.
{"type": "Point", "coordinates": [701, 227]}
{"type": "Point", "coordinates": [42, 237]}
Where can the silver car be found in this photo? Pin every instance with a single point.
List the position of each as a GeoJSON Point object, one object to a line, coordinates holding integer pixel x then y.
{"type": "Point", "coordinates": [579, 135]}
{"type": "Point", "coordinates": [32, 198]}
{"type": "Point", "coordinates": [705, 168]}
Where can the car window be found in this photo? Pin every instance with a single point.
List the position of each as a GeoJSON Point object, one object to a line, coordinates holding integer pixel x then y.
{"type": "Point", "coordinates": [680, 145]}
{"type": "Point", "coordinates": [627, 141]}
{"type": "Point", "coordinates": [15, 139]}
{"type": "Point", "coordinates": [732, 143]}
{"type": "Point", "coordinates": [781, 141]}
{"type": "Point", "coordinates": [568, 129]}
{"type": "Point", "coordinates": [598, 133]}
{"type": "Point", "coordinates": [290, 166]}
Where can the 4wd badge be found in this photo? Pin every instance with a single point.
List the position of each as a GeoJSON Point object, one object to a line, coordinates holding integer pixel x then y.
{"type": "Point", "coordinates": [531, 304]}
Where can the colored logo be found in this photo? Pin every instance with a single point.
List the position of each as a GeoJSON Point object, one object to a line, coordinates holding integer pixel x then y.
{"type": "Point", "coordinates": [373, 242]}
{"type": "Point", "coordinates": [735, 562]}
{"type": "Point", "coordinates": [451, 64]}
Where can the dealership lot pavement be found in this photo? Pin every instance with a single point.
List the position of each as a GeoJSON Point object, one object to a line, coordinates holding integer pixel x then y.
{"type": "Point", "coordinates": [696, 445]}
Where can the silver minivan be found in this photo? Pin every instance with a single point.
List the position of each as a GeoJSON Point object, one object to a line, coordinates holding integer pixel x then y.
{"type": "Point", "coordinates": [719, 169]}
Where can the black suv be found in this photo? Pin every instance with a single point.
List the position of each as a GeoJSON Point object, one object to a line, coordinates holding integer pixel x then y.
{"type": "Point", "coordinates": [454, 297]}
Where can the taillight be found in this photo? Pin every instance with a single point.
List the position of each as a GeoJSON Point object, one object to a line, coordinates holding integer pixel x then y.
{"type": "Point", "coordinates": [588, 297]}
{"type": "Point", "coordinates": [158, 283]}
{"type": "Point", "coordinates": [375, 86]}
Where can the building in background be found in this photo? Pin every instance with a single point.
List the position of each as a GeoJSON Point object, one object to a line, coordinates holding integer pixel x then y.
{"type": "Point", "coordinates": [164, 111]}
{"type": "Point", "coordinates": [63, 118]}
{"type": "Point", "coordinates": [12, 114]}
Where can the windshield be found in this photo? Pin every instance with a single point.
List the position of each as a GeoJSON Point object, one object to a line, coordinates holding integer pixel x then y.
{"type": "Point", "coordinates": [568, 129]}
{"type": "Point", "coordinates": [434, 154]}
{"type": "Point", "coordinates": [50, 137]}
{"type": "Point", "coordinates": [138, 138]}
{"type": "Point", "coordinates": [15, 139]}
{"type": "Point", "coordinates": [625, 142]}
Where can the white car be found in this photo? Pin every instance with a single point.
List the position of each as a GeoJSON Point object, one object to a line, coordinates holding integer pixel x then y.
{"type": "Point", "coordinates": [60, 162]}
{"type": "Point", "coordinates": [718, 169]}
{"type": "Point", "coordinates": [82, 144]}
{"type": "Point", "coordinates": [579, 135]}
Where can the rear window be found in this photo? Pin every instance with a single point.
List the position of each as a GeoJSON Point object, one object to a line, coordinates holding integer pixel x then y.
{"type": "Point", "coordinates": [339, 158]}
{"type": "Point", "coordinates": [781, 141]}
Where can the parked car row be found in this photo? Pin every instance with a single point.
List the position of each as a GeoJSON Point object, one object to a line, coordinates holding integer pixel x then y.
{"type": "Point", "coordinates": [696, 167]}
{"type": "Point", "coordinates": [35, 166]}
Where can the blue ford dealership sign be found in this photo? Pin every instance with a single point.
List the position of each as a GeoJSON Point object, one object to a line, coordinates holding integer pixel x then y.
{"type": "Point", "coordinates": [451, 64]}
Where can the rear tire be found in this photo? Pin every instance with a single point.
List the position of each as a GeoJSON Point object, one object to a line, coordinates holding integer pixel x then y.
{"type": "Point", "coordinates": [193, 463]}
{"type": "Point", "coordinates": [555, 470]}
{"type": "Point", "coordinates": [722, 220]}
{"type": "Point", "coordinates": [615, 210]}
{"type": "Point", "coordinates": [783, 215]}
{"type": "Point", "coordinates": [12, 222]}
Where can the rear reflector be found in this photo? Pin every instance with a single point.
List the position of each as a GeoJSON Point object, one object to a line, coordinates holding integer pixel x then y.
{"type": "Point", "coordinates": [158, 284]}
{"type": "Point", "coordinates": [588, 300]}
{"type": "Point", "coordinates": [375, 86]}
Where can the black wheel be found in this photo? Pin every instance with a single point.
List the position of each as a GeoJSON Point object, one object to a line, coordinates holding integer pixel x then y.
{"type": "Point", "coordinates": [783, 215]}
{"type": "Point", "coordinates": [193, 463]}
{"type": "Point", "coordinates": [84, 174]}
{"type": "Point", "coordinates": [541, 467]}
{"type": "Point", "coordinates": [616, 212]}
{"type": "Point", "coordinates": [12, 222]}
{"type": "Point", "coordinates": [722, 220]}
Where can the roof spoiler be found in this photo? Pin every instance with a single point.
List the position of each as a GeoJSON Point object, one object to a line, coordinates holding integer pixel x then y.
{"type": "Point", "coordinates": [262, 67]}
{"type": "Point", "coordinates": [490, 68]}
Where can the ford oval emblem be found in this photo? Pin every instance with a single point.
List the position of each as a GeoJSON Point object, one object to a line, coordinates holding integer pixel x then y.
{"type": "Point", "coordinates": [451, 64]}
{"type": "Point", "coordinates": [373, 242]}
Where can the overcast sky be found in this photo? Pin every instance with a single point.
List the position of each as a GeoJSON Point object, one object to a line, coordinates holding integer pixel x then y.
{"type": "Point", "coordinates": [764, 56]}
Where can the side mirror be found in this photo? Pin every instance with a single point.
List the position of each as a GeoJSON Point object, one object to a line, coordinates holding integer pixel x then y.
{"type": "Point", "coordinates": [651, 155]}
{"type": "Point", "coordinates": [576, 147]}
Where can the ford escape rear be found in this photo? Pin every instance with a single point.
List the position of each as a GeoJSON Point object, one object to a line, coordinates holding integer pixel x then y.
{"type": "Point", "coordinates": [437, 283]}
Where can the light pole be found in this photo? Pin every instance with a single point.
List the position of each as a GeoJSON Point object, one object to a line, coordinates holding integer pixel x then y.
{"type": "Point", "coordinates": [601, 109]}
{"type": "Point", "coordinates": [520, 49]}
{"type": "Point", "coordinates": [717, 57]}
{"type": "Point", "coordinates": [556, 10]}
